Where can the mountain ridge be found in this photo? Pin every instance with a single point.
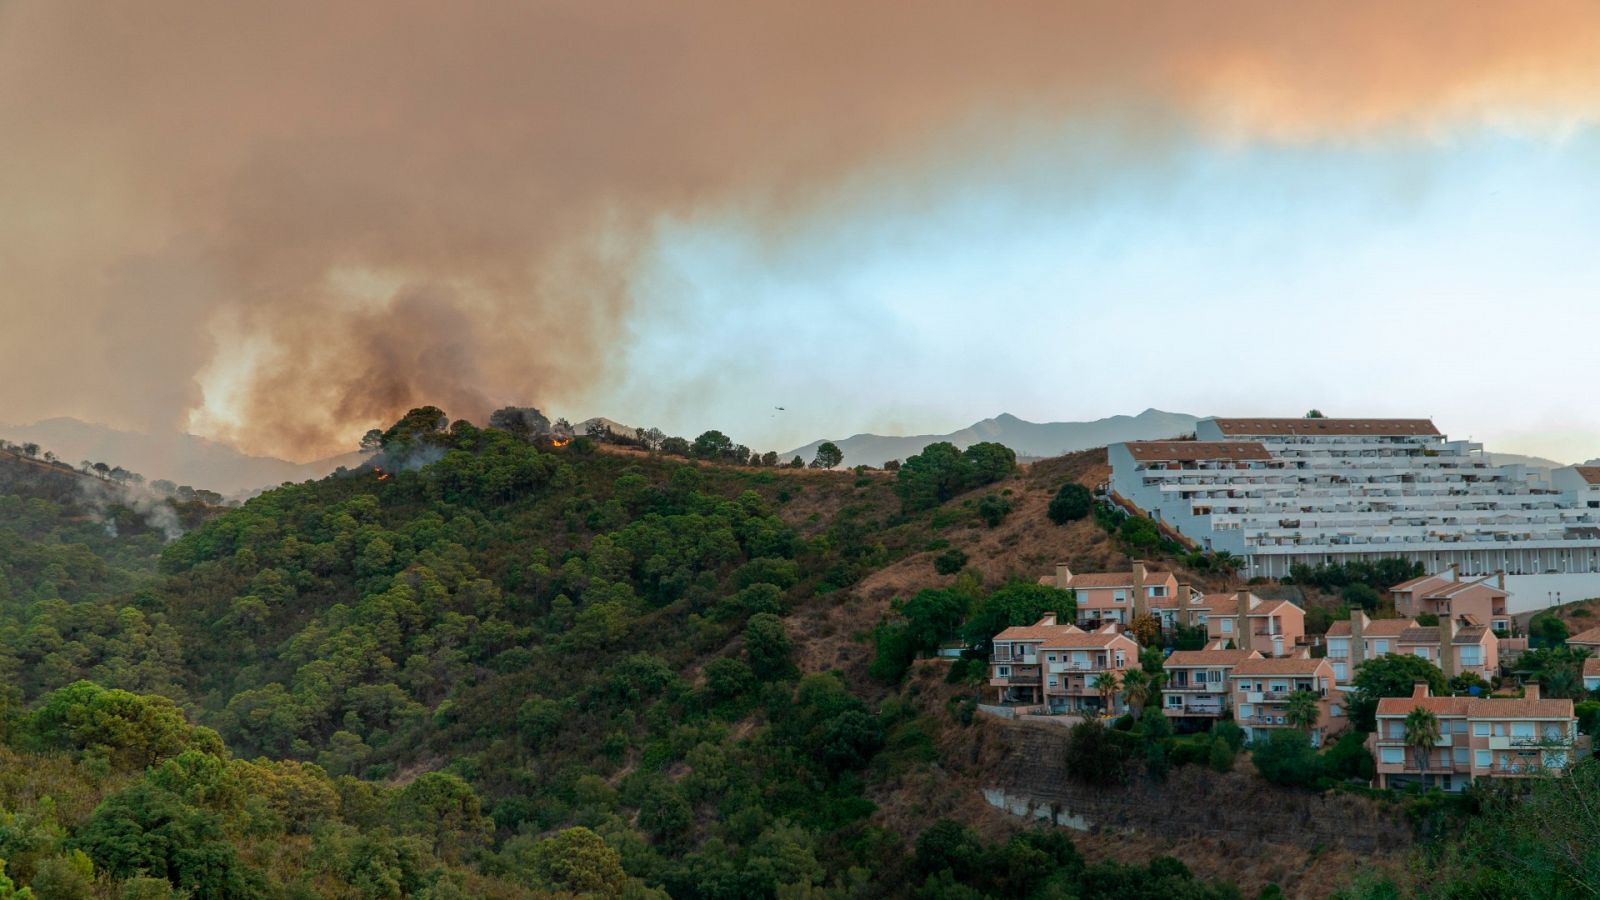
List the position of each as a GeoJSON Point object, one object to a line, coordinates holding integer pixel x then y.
{"type": "Point", "coordinates": [1028, 439]}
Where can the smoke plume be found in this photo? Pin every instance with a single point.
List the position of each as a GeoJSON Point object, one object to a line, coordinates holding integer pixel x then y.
{"type": "Point", "coordinates": [282, 224]}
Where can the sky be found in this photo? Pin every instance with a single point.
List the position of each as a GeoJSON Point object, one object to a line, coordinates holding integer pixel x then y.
{"type": "Point", "coordinates": [280, 225]}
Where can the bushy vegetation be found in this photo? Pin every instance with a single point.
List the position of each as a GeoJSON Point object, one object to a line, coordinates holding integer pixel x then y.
{"type": "Point", "coordinates": [941, 471]}
{"type": "Point", "coordinates": [1377, 575]}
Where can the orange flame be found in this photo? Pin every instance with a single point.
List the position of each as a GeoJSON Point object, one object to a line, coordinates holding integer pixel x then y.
{"type": "Point", "coordinates": [560, 442]}
{"type": "Point", "coordinates": [382, 475]}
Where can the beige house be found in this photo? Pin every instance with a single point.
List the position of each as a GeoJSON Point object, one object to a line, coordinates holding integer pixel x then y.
{"type": "Point", "coordinates": [1484, 599]}
{"type": "Point", "coordinates": [1478, 738]}
{"type": "Point", "coordinates": [1197, 681]}
{"type": "Point", "coordinates": [1261, 689]}
{"type": "Point", "coordinates": [1472, 646]}
{"type": "Point", "coordinates": [1121, 596]}
{"type": "Point", "coordinates": [1059, 666]}
{"type": "Point", "coordinates": [1270, 627]}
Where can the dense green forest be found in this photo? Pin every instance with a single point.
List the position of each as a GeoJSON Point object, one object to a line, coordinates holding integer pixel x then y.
{"type": "Point", "coordinates": [492, 667]}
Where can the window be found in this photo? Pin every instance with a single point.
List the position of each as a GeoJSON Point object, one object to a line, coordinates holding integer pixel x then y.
{"type": "Point", "coordinates": [1380, 647]}
{"type": "Point", "coordinates": [1158, 590]}
{"type": "Point", "coordinates": [1481, 759]}
{"type": "Point", "coordinates": [1458, 726]}
{"type": "Point", "coordinates": [1120, 659]}
{"type": "Point", "coordinates": [1227, 626]}
{"type": "Point", "coordinates": [1421, 652]}
{"type": "Point", "coordinates": [1246, 711]}
{"type": "Point", "coordinates": [1338, 671]}
{"type": "Point", "coordinates": [1480, 729]}
{"type": "Point", "coordinates": [1522, 729]}
{"type": "Point", "coordinates": [1334, 711]}
{"type": "Point", "coordinates": [1053, 681]}
{"type": "Point", "coordinates": [1397, 730]}
{"type": "Point", "coordinates": [1003, 671]}
{"type": "Point", "coordinates": [1051, 657]}
{"type": "Point", "coordinates": [1460, 756]}
{"type": "Point", "coordinates": [1472, 655]}
{"type": "Point", "coordinates": [1119, 596]}
{"type": "Point", "coordinates": [1174, 701]}
{"type": "Point", "coordinates": [1280, 687]}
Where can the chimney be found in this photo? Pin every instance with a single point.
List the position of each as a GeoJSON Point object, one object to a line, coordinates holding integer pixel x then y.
{"type": "Point", "coordinates": [1242, 631]}
{"type": "Point", "coordinates": [1419, 690]}
{"type": "Point", "coordinates": [1447, 645]}
{"type": "Point", "coordinates": [1140, 605]}
{"type": "Point", "coordinates": [1048, 618]}
{"type": "Point", "coordinates": [1455, 571]}
{"type": "Point", "coordinates": [1500, 579]}
{"type": "Point", "coordinates": [1063, 576]}
{"type": "Point", "coordinates": [1358, 642]}
{"type": "Point", "coordinates": [1530, 691]}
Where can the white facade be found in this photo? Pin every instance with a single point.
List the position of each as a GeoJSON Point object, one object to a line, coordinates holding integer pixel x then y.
{"type": "Point", "coordinates": [1284, 491]}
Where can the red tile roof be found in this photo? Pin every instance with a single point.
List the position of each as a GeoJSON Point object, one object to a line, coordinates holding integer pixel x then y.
{"type": "Point", "coordinates": [1035, 632]}
{"type": "Point", "coordinates": [1518, 708]}
{"type": "Point", "coordinates": [1439, 706]}
{"type": "Point", "coordinates": [1250, 427]}
{"type": "Point", "coordinates": [1193, 451]}
{"type": "Point", "coordinates": [1592, 636]}
{"type": "Point", "coordinates": [1383, 628]}
{"type": "Point", "coordinates": [1289, 665]}
{"type": "Point", "coordinates": [1591, 667]}
{"type": "Point", "coordinates": [1591, 474]}
{"type": "Point", "coordinates": [1185, 658]}
{"type": "Point", "coordinates": [1084, 640]}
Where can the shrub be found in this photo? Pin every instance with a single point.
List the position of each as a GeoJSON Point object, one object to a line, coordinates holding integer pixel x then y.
{"type": "Point", "coordinates": [1286, 757]}
{"type": "Point", "coordinates": [1070, 504]}
{"type": "Point", "coordinates": [1221, 756]}
{"type": "Point", "coordinates": [994, 508]}
{"type": "Point", "coordinates": [950, 562]}
{"type": "Point", "coordinates": [1095, 755]}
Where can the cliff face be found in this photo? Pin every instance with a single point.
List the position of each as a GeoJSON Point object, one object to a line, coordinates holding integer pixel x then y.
{"type": "Point", "coordinates": [1025, 776]}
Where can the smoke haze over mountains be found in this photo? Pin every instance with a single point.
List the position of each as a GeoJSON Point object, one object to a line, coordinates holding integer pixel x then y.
{"type": "Point", "coordinates": [279, 225]}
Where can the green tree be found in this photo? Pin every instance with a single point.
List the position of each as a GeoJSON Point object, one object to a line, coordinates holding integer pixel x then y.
{"type": "Point", "coordinates": [420, 426]}
{"type": "Point", "coordinates": [1547, 630]}
{"type": "Point", "coordinates": [1390, 675]}
{"type": "Point", "coordinates": [1018, 603]}
{"type": "Point", "coordinates": [711, 445]}
{"type": "Point", "coordinates": [1284, 756]}
{"type": "Point", "coordinates": [950, 561]}
{"type": "Point", "coordinates": [1302, 710]}
{"type": "Point", "coordinates": [767, 643]}
{"type": "Point", "coordinates": [1094, 755]}
{"type": "Point", "coordinates": [1360, 595]}
{"type": "Point", "coordinates": [828, 456]}
{"type": "Point", "coordinates": [993, 509]}
{"type": "Point", "coordinates": [1071, 503]}
{"type": "Point", "coordinates": [578, 860]}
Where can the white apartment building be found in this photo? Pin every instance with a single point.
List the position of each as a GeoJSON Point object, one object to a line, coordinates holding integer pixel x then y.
{"type": "Point", "coordinates": [1284, 491]}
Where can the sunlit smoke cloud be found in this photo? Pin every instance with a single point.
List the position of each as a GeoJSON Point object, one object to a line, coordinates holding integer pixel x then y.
{"type": "Point", "coordinates": [284, 224]}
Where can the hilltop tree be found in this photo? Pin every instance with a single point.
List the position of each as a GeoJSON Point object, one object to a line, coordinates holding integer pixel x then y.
{"type": "Point", "coordinates": [525, 422]}
{"type": "Point", "coordinates": [423, 425]}
{"type": "Point", "coordinates": [941, 471]}
{"type": "Point", "coordinates": [828, 456]}
{"type": "Point", "coordinates": [711, 445]}
{"type": "Point", "coordinates": [30, 450]}
{"type": "Point", "coordinates": [1315, 414]}
{"type": "Point", "coordinates": [1018, 603]}
{"type": "Point", "coordinates": [372, 441]}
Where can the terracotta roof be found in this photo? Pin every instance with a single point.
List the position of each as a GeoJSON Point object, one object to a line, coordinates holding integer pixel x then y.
{"type": "Point", "coordinates": [1112, 579]}
{"type": "Point", "coordinates": [1420, 579]}
{"type": "Point", "coordinates": [1289, 665]}
{"type": "Point", "coordinates": [1590, 474]}
{"type": "Point", "coordinates": [1236, 427]}
{"type": "Point", "coordinates": [1189, 451]}
{"type": "Point", "coordinates": [1429, 634]}
{"type": "Point", "coordinates": [1517, 708]}
{"type": "Point", "coordinates": [1221, 604]}
{"type": "Point", "coordinates": [1592, 636]}
{"type": "Point", "coordinates": [1085, 640]}
{"type": "Point", "coordinates": [1383, 628]}
{"type": "Point", "coordinates": [1439, 706]}
{"type": "Point", "coordinates": [1591, 667]}
{"type": "Point", "coordinates": [1184, 658]}
{"type": "Point", "coordinates": [1268, 607]}
{"type": "Point", "coordinates": [1035, 632]}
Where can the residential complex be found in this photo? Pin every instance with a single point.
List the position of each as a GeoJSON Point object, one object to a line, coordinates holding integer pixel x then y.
{"type": "Point", "coordinates": [1280, 492]}
{"type": "Point", "coordinates": [1505, 737]}
{"type": "Point", "coordinates": [1197, 681]}
{"type": "Point", "coordinates": [1448, 594]}
{"type": "Point", "coordinates": [1455, 645]}
{"type": "Point", "coordinates": [1060, 666]}
{"type": "Point", "coordinates": [1123, 596]}
{"type": "Point", "coordinates": [1261, 689]}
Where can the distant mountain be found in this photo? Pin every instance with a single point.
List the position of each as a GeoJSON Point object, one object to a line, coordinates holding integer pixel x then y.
{"type": "Point", "coordinates": [174, 456]}
{"type": "Point", "coordinates": [1517, 459]}
{"type": "Point", "coordinates": [1028, 439]}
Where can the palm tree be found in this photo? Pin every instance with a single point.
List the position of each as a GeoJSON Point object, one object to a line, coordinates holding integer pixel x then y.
{"type": "Point", "coordinates": [1137, 686]}
{"type": "Point", "coordinates": [1107, 684]}
{"type": "Point", "coordinates": [1226, 563]}
{"type": "Point", "coordinates": [1302, 710]}
{"type": "Point", "coordinates": [1421, 735]}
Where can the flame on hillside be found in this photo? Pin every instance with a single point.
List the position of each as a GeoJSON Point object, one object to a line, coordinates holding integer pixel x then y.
{"type": "Point", "coordinates": [382, 475]}
{"type": "Point", "coordinates": [560, 442]}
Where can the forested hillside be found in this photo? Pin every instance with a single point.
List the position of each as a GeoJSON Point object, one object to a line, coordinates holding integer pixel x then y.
{"type": "Point", "coordinates": [491, 666]}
